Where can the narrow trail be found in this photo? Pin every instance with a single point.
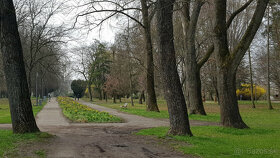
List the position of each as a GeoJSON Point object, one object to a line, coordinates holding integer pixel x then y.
{"type": "Point", "coordinates": [89, 140]}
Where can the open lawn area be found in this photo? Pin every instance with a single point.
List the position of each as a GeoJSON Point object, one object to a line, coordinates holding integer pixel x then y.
{"type": "Point", "coordinates": [5, 116]}
{"type": "Point", "coordinates": [212, 108]}
{"type": "Point", "coordinates": [261, 140]}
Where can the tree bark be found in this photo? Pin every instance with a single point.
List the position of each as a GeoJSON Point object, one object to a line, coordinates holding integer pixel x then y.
{"type": "Point", "coordinates": [131, 88]}
{"type": "Point", "coordinates": [227, 63]}
{"type": "Point", "coordinates": [230, 116]}
{"type": "Point", "coordinates": [268, 62]}
{"type": "Point", "coordinates": [105, 97]}
{"type": "Point", "coordinates": [251, 80]}
{"type": "Point", "coordinates": [151, 94]}
{"type": "Point", "coordinates": [178, 115]}
{"type": "Point", "coordinates": [89, 91]}
{"type": "Point", "coordinates": [142, 97]}
{"type": "Point", "coordinates": [29, 83]}
{"type": "Point", "coordinates": [100, 94]}
{"type": "Point", "coordinates": [195, 97]}
{"type": "Point", "coordinates": [114, 98]}
{"type": "Point", "coordinates": [19, 98]}
{"type": "Point", "coordinates": [193, 82]}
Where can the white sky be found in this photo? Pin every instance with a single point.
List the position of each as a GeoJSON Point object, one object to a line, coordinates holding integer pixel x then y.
{"type": "Point", "coordinates": [105, 33]}
{"type": "Point", "coordinates": [82, 36]}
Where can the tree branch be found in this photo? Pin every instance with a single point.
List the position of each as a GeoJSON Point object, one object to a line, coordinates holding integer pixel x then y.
{"type": "Point", "coordinates": [234, 14]}
{"type": "Point", "coordinates": [240, 50]}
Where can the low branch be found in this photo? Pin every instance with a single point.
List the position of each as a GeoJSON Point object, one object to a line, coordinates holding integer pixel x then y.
{"type": "Point", "coordinates": [242, 47]}
{"type": "Point", "coordinates": [230, 20]}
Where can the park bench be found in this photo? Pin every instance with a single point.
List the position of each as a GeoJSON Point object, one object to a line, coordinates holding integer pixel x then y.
{"type": "Point", "coordinates": [124, 106]}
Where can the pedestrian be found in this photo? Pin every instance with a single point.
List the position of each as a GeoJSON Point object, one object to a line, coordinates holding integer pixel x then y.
{"type": "Point", "coordinates": [49, 97]}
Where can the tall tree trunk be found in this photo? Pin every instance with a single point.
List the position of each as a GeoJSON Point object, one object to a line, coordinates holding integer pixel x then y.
{"type": "Point", "coordinates": [142, 97]}
{"type": "Point", "coordinates": [193, 83]}
{"type": "Point", "coordinates": [131, 88]}
{"type": "Point", "coordinates": [195, 98]}
{"type": "Point", "coordinates": [20, 104]}
{"type": "Point", "coordinates": [89, 91]}
{"type": "Point", "coordinates": [251, 79]}
{"type": "Point", "coordinates": [104, 95]}
{"type": "Point", "coordinates": [42, 89]}
{"type": "Point", "coordinates": [227, 62]}
{"type": "Point", "coordinates": [216, 89]}
{"type": "Point", "coordinates": [268, 61]}
{"type": "Point", "coordinates": [178, 115]}
{"type": "Point", "coordinates": [114, 98]}
{"type": "Point", "coordinates": [151, 94]}
{"type": "Point", "coordinates": [230, 116]}
{"type": "Point", "coordinates": [29, 83]}
{"type": "Point", "coordinates": [100, 94]}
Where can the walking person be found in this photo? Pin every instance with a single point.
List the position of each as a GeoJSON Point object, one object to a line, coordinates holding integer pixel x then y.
{"type": "Point", "coordinates": [49, 97]}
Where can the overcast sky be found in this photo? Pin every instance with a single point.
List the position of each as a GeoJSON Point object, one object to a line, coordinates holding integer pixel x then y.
{"type": "Point", "coordinates": [85, 35]}
{"type": "Point", "coordinates": [82, 35]}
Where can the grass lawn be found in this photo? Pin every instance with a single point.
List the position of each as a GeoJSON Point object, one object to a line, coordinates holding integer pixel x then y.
{"type": "Point", "coordinates": [5, 116]}
{"type": "Point", "coordinates": [261, 140]}
{"type": "Point", "coordinates": [81, 113]}
{"type": "Point", "coordinates": [10, 141]}
{"type": "Point", "coordinates": [211, 108]}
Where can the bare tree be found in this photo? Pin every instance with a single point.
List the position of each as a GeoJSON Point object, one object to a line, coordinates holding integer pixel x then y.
{"type": "Point", "coordinates": [178, 115]}
{"type": "Point", "coordinates": [268, 59]}
{"type": "Point", "coordinates": [20, 104]}
{"type": "Point", "coordinates": [192, 64]}
{"type": "Point", "coordinates": [227, 62]}
{"type": "Point", "coordinates": [251, 79]}
{"type": "Point", "coordinates": [120, 7]}
{"type": "Point", "coordinates": [83, 67]}
{"type": "Point", "coordinates": [40, 36]}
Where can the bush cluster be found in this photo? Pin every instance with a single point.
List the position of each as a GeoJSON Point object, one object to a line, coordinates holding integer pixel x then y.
{"type": "Point", "coordinates": [245, 91]}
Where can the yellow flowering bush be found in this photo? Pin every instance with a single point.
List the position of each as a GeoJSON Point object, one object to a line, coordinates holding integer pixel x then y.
{"type": "Point", "coordinates": [82, 113]}
{"type": "Point", "coordinates": [245, 91]}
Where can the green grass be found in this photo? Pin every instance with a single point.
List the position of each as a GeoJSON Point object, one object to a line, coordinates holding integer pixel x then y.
{"type": "Point", "coordinates": [211, 108]}
{"type": "Point", "coordinates": [140, 109]}
{"type": "Point", "coordinates": [211, 141]}
{"type": "Point", "coordinates": [143, 112]}
{"type": "Point", "coordinates": [82, 113]}
{"type": "Point", "coordinates": [9, 141]}
{"type": "Point", "coordinates": [261, 140]}
{"type": "Point", "coordinates": [5, 116]}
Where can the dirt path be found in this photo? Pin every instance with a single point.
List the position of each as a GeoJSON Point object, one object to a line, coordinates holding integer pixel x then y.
{"type": "Point", "coordinates": [114, 140]}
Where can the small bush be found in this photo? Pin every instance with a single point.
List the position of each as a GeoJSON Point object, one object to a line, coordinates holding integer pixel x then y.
{"type": "Point", "coordinates": [245, 91]}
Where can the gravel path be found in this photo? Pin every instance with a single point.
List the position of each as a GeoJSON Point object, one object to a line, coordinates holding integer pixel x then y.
{"type": "Point", "coordinates": [114, 140]}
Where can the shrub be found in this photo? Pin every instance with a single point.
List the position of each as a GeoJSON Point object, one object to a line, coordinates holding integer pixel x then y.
{"type": "Point", "coordinates": [78, 87]}
{"type": "Point", "coordinates": [245, 91]}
